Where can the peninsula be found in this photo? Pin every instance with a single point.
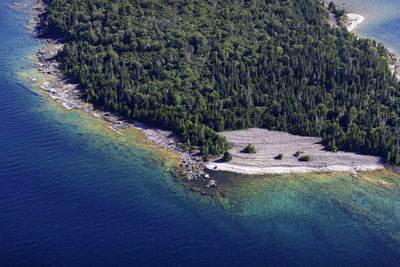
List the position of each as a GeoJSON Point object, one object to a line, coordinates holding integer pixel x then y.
{"type": "Point", "coordinates": [199, 69]}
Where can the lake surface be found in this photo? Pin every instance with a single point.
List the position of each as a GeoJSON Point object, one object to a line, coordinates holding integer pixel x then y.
{"type": "Point", "coordinates": [382, 20]}
{"type": "Point", "coordinates": [73, 193]}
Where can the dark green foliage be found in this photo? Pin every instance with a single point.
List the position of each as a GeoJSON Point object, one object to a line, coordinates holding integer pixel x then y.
{"type": "Point", "coordinates": [198, 67]}
{"type": "Point", "coordinates": [298, 153]}
{"type": "Point", "coordinates": [340, 14]}
{"type": "Point", "coordinates": [280, 156]}
{"type": "Point", "coordinates": [249, 149]}
{"type": "Point", "coordinates": [305, 158]}
{"type": "Point", "coordinates": [227, 157]}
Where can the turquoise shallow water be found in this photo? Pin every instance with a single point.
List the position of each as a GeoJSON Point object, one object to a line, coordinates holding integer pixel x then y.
{"type": "Point", "coordinates": [74, 193]}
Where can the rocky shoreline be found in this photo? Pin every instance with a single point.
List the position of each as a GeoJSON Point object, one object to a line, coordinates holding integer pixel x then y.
{"type": "Point", "coordinates": [271, 143]}
{"type": "Point", "coordinates": [395, 63]}
{"type": "Point", "coordinates": [70, 96]}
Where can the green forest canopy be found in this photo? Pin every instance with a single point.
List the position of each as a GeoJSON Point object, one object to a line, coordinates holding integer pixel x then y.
{"type": "Point", "coordinates": [199, 67]}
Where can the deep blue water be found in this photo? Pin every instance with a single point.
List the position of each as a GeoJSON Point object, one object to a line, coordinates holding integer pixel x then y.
{"type": "Point", "coordinates": [73, 193]}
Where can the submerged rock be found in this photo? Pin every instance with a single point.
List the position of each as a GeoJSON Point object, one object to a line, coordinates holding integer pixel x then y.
{"type": "Point", "coordinates": [211, 183]}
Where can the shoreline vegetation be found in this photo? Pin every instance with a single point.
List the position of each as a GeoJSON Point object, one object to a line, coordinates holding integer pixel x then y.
{"type": "Point", "coordinates": [353, 21]}
{"type": "Point", "coordinates": [69, 95]}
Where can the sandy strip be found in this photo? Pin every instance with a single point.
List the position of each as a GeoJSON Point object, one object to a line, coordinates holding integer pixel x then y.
{"type": "Point", "coordinates": [353, 20]}
{"type": "Point", "coordinates": [271, 143]}
{"type": "Point", "coordinates": [253, 170]}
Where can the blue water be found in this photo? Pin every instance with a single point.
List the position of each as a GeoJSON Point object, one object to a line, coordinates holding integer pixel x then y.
{"type": "Point", "coordinates": [382, 20]}
{"type": "Point", "coordinates": [73, 193]}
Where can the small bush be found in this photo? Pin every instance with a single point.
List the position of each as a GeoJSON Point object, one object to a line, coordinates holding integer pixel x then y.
{"type": "Point", "coordinates": [305, 158]}
{"type": "Point", "coordinates": [298, 153]}
{"type": "Point", "coordinates": [206, 158]}
{"type": "Point", "coordinates": [249, 149]}
{"type": "Point", "coordinates": [227, 157]}
{"type": "Point", "coordinates": [280, 156]}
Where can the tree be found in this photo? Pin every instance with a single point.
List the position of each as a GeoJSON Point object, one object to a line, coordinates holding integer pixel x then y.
{"type": "Point", "coordinates": [305, 158]}
{"type": "Point", "coordinates": [298, 153]}
{"type": "Point", "coordinates": [250, 149]}
{"type": "Point", "coordinates": [227, 157]}
{"type": "Point", "coordinates": [191, 74]}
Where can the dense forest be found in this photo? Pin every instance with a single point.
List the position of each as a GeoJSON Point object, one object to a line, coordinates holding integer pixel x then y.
{"type": "Point", "coordinates": [197, 67]}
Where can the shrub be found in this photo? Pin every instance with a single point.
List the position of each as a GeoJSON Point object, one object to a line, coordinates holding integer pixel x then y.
{"type": "Point", "coordinates": [249, 149]}
{"type": "Point", "coordinates": [280, 156]}
{"type": "Point", "coordinates": [298, 153]}
{"type": "Point", "coordinates": [305, 158]}
{"type": "Point", "coordinates": [227, 157]}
